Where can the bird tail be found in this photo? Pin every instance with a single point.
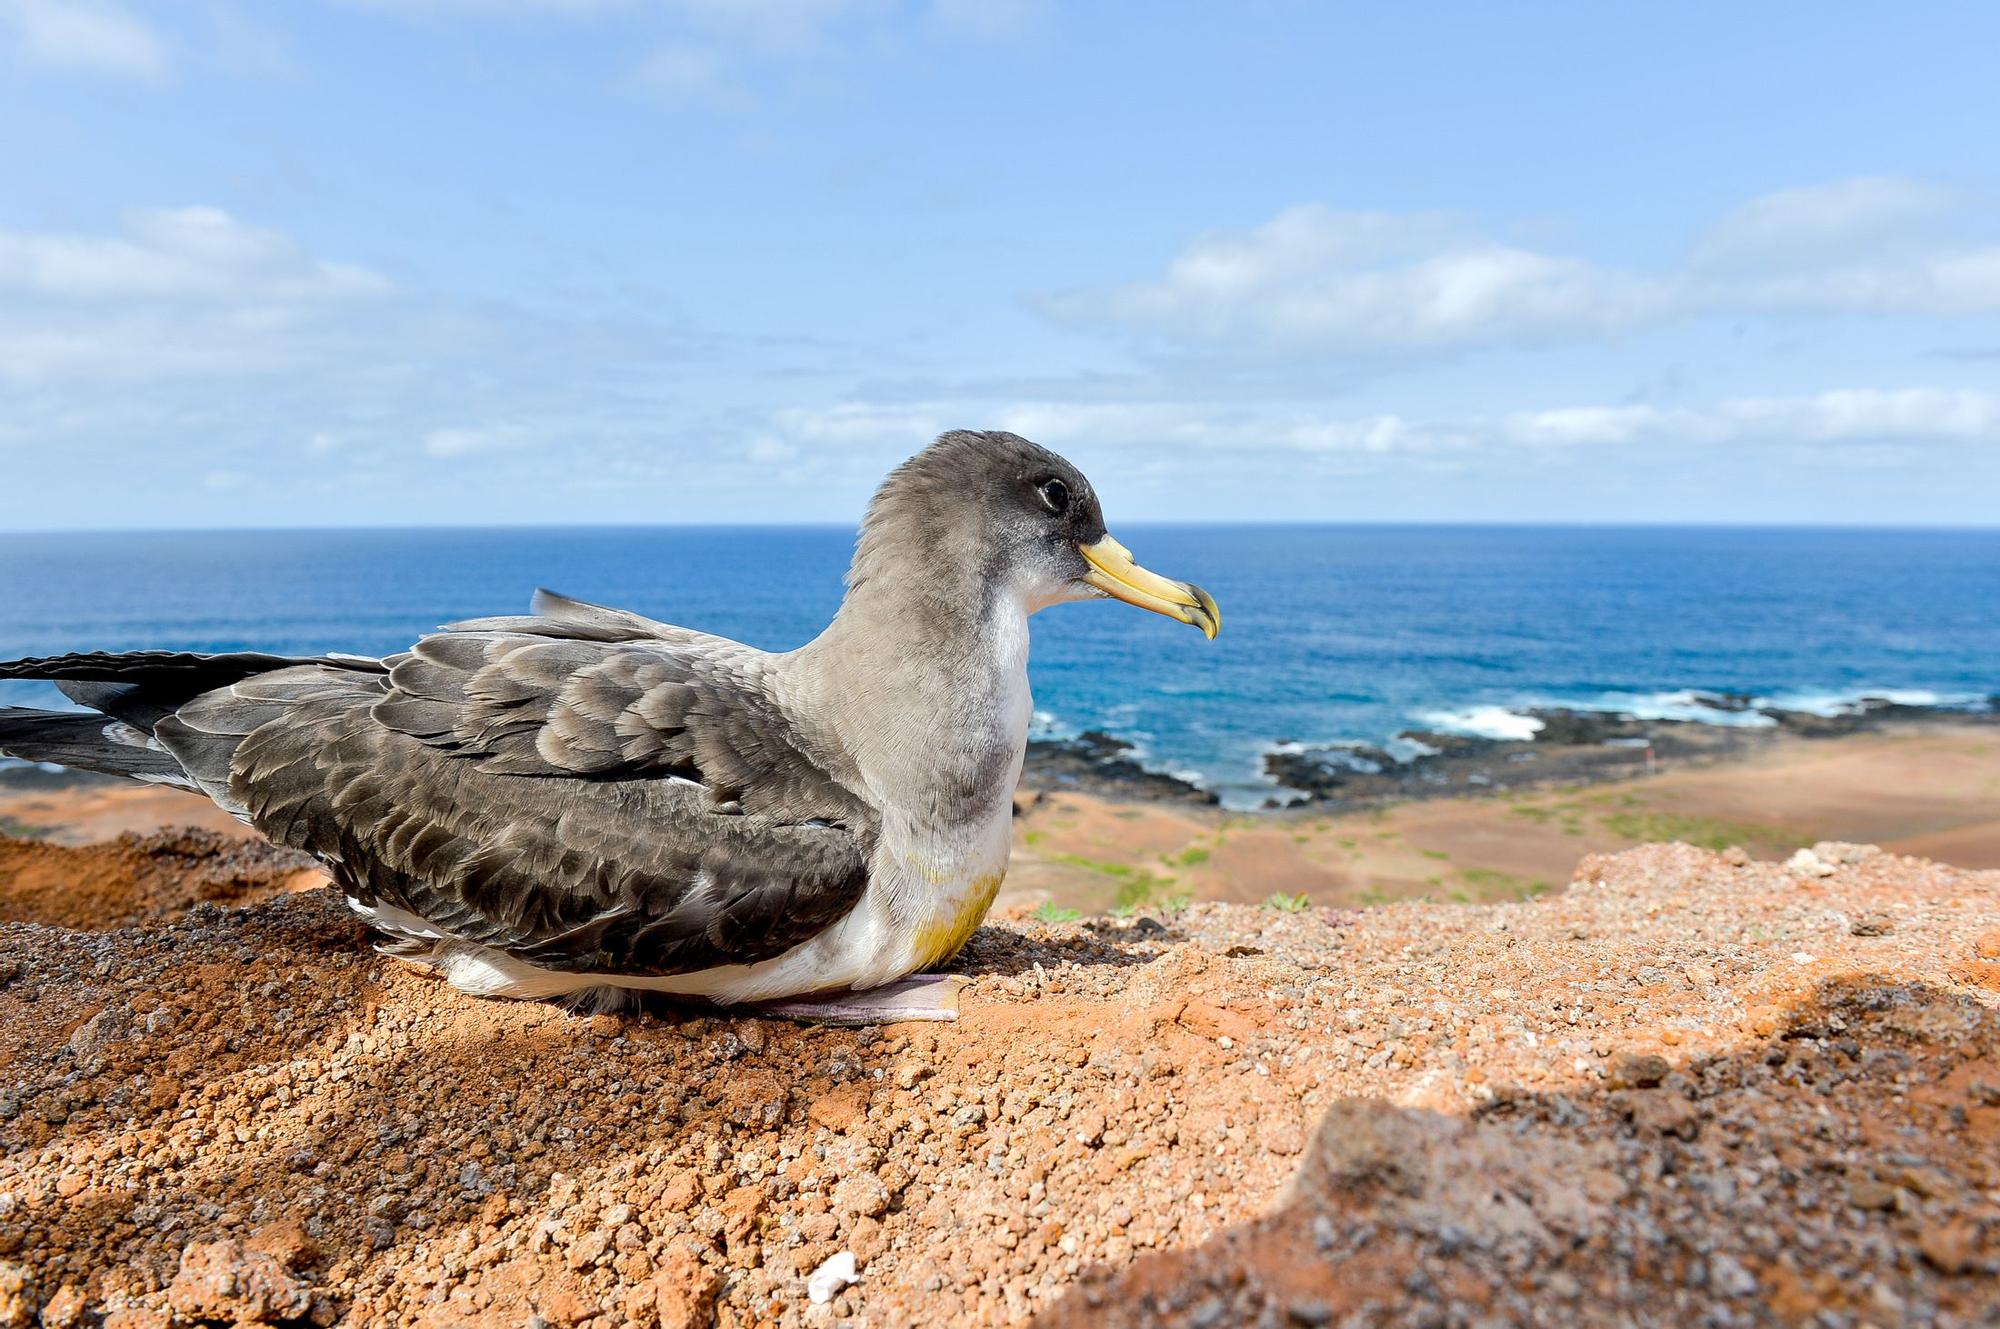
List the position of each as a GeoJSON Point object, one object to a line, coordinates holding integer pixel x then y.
{"type": "Point", "coordinates": [132, 694]}
{"type": "Point", "coordinates": [87, 741]}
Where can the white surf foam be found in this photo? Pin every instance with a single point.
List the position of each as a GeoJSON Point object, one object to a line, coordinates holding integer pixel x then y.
{"type": "Point", "coordinates": [1684, 704]}
{"type": "Point", "coordinates": [1483, 722]}
{"type": "Point", "coordinates": [1846, 703]}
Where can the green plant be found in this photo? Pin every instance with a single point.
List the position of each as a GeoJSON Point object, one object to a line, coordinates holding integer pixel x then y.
{"type": "Point", "coordinates": [1434, 853]}
{"type": "Point", "coordinates": [1051, 912]}
{"type": "Point", "coordinates": [1144, 889]}
{"type": "Point", "coordinates": [1137, 887]}
{"type": "Point", "coordinates": [1703, 832]}
{"type": "Point", "coordinates": [1093, 864]}
{"type": "Point", "coordinates": [1288, 904]}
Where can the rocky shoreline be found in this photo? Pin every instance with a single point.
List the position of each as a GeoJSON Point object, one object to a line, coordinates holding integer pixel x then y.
{"type": "Point", "coordinates": [1098, 763]}
{"type": "Point", "coordinates": [1568, 746]}
{"type": "Point", "coordinates": [1572, 746]}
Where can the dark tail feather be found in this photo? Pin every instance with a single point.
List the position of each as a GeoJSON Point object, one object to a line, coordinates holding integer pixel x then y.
{"type": "Point", "coordinates": [144, 687]}
{"type": "Point", "coordinates": [87, 743]}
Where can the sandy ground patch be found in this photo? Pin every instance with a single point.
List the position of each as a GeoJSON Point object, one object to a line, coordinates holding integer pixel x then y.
{"type": "Point", "coordinates": [1932, 792]}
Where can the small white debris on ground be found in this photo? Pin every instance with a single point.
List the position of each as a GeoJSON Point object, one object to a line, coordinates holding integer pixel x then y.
{"type": "Point", "coordinates": [835, 1273]}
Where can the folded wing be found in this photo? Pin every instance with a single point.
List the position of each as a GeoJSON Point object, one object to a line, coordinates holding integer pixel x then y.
{"type": "Point", "coordinates": [584, 789]}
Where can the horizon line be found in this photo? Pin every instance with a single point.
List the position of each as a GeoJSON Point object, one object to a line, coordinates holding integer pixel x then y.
{"type": "Point", "coordinates": [1155, 524]}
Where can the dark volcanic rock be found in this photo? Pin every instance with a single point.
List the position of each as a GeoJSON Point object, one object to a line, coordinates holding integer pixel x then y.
{"type": "Point", "coordinates": [1571, 746]}
{"type": "Point", "coordinates": [1575, 728]}
{"type": "Point", "coordinates": [1095, 762]}
{"type": "Point", "coordinates": [1724, 701]}
{"type": "Point", "coordinates": [1328, 771]}
{"type": "Point", "coordinates": [1871, 713]}
{"type": "Point", "coordinates": [1451, 745]}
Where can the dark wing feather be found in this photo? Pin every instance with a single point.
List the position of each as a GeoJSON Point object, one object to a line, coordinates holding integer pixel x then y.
{"type": "Point", "coordinates": [627, 875]}
{"type": "Point", "coordinates": [592, 792]}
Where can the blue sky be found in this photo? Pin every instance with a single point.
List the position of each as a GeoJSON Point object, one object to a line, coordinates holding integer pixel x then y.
{"type": "Point", "coordinates": [406, 261]}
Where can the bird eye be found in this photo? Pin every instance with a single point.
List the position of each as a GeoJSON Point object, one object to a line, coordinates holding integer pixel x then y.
{"type": "Point", "coordinates": [1055, 495]}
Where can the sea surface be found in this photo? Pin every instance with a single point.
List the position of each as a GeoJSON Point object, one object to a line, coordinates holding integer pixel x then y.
{"type": "Point", "coordinates": [1329, 633]}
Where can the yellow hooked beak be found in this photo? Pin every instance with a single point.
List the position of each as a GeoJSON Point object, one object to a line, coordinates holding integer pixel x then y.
{"type": "Point", "coordinates": [1113, 571]}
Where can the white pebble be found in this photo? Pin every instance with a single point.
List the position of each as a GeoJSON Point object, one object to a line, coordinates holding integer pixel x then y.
{"type": "Point", "coordinates": [835, 1273]}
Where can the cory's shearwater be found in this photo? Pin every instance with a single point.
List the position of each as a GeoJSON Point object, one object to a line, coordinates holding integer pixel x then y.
{"type": "Point", "coordinates": [582, 799]}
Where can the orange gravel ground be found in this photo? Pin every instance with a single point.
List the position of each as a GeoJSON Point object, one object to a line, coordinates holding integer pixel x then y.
{"type": "Point", "coordinates": [1688, 1090]}
{"type": "Point", "coordinates": [139, 878]}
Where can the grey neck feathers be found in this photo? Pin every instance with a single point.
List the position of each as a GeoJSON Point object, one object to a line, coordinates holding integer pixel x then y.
{"type": "Point", "coordinates": [920, 664]}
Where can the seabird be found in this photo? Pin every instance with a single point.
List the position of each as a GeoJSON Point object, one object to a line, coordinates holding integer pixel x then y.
{"type": "Point", "coordinates": [582, 800]}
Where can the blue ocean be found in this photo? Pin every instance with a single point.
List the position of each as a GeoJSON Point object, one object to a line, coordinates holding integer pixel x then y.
{"type": "Point", "coordinates": [1329, 633]}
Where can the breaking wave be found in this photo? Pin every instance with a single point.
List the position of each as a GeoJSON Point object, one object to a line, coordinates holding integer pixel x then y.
{"type": "Point", "coordinates": [1495, 722]}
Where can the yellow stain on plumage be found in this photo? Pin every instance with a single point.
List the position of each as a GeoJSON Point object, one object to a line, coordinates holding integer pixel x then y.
{"type": "Point", "coordinates": [941, 937]}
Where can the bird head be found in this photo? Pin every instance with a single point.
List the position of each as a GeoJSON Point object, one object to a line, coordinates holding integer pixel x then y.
{"type": "Point", "coordinates": [1019, 520]}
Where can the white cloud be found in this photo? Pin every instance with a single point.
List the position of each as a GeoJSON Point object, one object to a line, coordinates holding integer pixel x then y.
{"type": "Point", "coordinates": [182, 291]}
{"type": "Point", "coordinates": [471, 442]}
{"type": "Point", "coordinates": [777, 27]}
{"type": "Point", "coordinates": [1944, 283]}
{"type": "Point", "coordinates": [1168, 434]}
{"type": "Point", "coordinates": [684, 72]}
{"type": "Point", "coordinates": [1871, 415]}
{"type": "Point", "coordinates": [1317, 282]}
{"type": "Point", "coordinates": [769, 451]}
{"type": "Point", "coordinates": [1873, 245]}
{"type": "Point", "coordinates": [1818, 224]}
{"type": "Point", "coordinates": [184, 253]}
{"type": "Point", "coordinates": [989, 20]}
{"type": "Point", "coordinates": [1845, 415]}
{"type": "Point", "coordinates": [722, 54]}
{"type": "Point", "coordinates": [1316, 279]}
{"type": "Point", "coordinates": [85, 36]}
{"type": "Point", "coordinates": [559, 8]}
{"type": "Point", "coordinates": [200, 345]}
{"type": "Point", "coordinates": [858, 422]}
{"type": "Point", "coordinates": [1181, 432]}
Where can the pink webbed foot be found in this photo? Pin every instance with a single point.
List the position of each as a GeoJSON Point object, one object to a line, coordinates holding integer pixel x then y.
{"type": "Point", "coordinates": [918, 997]}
